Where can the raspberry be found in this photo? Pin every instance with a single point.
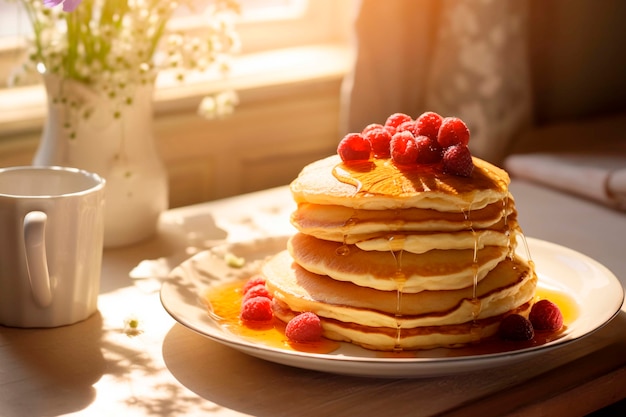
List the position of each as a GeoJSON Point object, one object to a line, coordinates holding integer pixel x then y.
{"type": "Point", "coordinates": [256, 309]}
{"type": "Point", "coordinates": [453, 131]}
{"type": "Point", "coordinates": [305, 327]}
{"type": "Point", "coordinates": [457, 160]}
{"type": "Point", "coordinates": [516, 328]}
{"type": "Point", "coordinates": [428, 124]}
{"type": "Point", "coordinates": [258, 290]}
{"type": "Point", "coordinates": [428, 150]}
{"type": "Point", "coordinates": [546, 316]}
{"type": "Point", "coordinates": [408, 126]}
{"type": "Point", "coordinates": [379, 139]}
{"type": "Point", "coordinates": [253, 282]}
{"type": "Point", "coordinates": [403, 148]}
{"type": "Point", "coordinates": [371, 127]}
{"type": "Point", "coordinates": [354, 147]}
{"type": "Point", "coordinates": [397, 119]}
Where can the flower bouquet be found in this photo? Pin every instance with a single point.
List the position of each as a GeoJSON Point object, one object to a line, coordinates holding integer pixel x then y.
{"type": "Point", "coordinates": [113, 45]}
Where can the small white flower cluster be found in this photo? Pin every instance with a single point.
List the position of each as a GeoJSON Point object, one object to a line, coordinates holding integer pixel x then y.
{"type": "Point", "coordinates": [111, 45]}
{"type": "Point", "coordinates": [222, 104]}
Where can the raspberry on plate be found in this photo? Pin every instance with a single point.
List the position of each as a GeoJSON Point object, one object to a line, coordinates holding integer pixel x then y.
{"type": "Point", "coordinates": [516, 328]}
{"type": "Point", "coordinates": [427, 124]}
{"type": "Point", "coordinates": [257, 309]}
{"type": "Point", "coordinates": [546, 316]}
{"type": "Point", "coordinates": [305, 327]}
{"type": "Point", "coordinates": [457, 160]}
{"type": "Point", "coordinates": [379, 139]}
{"type": "Point", "coordinates": [258, 290]}
{"type": "Point", "coordinates": [453, 131]}
{"type": "Point", "coordinates": [403, 148]}
{"type": "Point", "coordinates": [354, 147]}
{"type": "Point", "coordinates": [253, 282]}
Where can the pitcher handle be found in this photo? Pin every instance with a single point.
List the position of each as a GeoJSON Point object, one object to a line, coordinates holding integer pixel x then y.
{"type": "Point", "coordinates": [36, 261]}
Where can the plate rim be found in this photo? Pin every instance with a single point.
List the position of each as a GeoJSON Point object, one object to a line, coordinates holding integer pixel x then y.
{"type": "Point", "coordinates": [420, 366]}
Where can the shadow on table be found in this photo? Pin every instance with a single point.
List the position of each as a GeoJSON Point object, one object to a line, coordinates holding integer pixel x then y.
{"type": "Point", "coordinates": [235, 381]}
{"type": "Point", "coordinates": [52, 364]}
{"type": "Point", "coordinates": [239, 382]}
{"type": "Point", "coordinates": [178, 238]}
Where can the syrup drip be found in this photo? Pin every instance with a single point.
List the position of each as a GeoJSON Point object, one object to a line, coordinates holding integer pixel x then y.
{"type": "Point", "coordinates": [345, 177]}
{"type": "Point", "coordinates": [476, 304]}
{"type": "Point", "coordinates": [352, 221]}
{"type": "Point", "coordinates": [505, 214]}
{"type": "Point", "coordinates": [400, 279]}
{"type": "Point", "coordinates": [510, 245]}
{"type": "Point", "coordinates": [398, 346]}
{"type": "Point", "coordinates": [344, 249]}
{"type": "Point", "coordinates": [475, 265]}
{"type": "Point", "coordinates": [529, 259]}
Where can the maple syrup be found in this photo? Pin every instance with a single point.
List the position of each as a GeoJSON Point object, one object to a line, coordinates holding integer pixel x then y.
{"type": "Point", "coordinates": [383, 177]}
{"type": "Point", "coordinates": [224, 304]}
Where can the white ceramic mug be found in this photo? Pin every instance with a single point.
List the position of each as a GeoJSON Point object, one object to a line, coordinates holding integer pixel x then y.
{"type": "Point", "coordinates": [51, 234]}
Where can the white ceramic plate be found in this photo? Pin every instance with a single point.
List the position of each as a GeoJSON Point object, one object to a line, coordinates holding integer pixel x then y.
{"type": "Point", "coordinates": [595, 289]}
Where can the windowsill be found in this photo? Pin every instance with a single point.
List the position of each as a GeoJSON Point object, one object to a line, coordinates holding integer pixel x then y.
{"type": "Point", "coordinates": [23, 110]}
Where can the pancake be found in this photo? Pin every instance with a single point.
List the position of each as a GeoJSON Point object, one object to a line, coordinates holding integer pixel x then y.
{"type": "Point", "coordinates": [502, 290]}
{"type": "Point", "coordinates": [379, 184]}
{"type": "Point", "coordinates": [334, 222]}
{"type": "Point", "coordinates": [425, 242]}
{"type": "Point", "coordinates": [387, 271]}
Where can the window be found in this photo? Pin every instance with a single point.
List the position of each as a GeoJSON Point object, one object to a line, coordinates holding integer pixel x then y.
{"type": "Point", "coordinates": [282, 41]}
{"type": "Point", "coordinates": [264, 24]}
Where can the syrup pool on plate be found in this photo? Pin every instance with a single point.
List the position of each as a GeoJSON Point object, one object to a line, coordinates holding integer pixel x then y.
{"type": "Point", "coordinates": [568, 306]}
{"type": "Point", "coordinates": [224, 305]}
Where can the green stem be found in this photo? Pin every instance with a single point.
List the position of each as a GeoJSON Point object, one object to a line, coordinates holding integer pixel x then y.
{"type": "Point", "coordinates": [37, 28]}
{"type": "Point", "coordinates": [73, 37]}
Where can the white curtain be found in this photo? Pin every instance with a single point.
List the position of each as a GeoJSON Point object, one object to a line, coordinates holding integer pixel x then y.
{"type": "Point", "coordinates": [464, 58]}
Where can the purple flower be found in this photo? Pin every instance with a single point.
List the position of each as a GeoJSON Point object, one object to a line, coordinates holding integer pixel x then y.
{"type": "Point", "coordinates": [68, 5]}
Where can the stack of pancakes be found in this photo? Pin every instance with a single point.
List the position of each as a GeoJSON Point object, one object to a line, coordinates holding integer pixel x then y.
{"type": "Point", "coordinates": [398, 259]}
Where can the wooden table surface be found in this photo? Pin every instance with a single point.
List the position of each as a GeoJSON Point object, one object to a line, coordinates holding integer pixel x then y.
{"type": "Point", "coordinates": [102, 367]}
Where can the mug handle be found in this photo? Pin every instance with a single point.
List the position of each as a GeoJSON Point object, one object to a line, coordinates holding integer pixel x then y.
{"type": "Point", "coordinates": [36, 261]}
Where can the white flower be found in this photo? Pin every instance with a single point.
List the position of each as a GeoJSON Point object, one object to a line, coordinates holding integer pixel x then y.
{"type": "Point", "coordinates": [219, 105]}
{"type": "Point", "coordinates": [208, 107]}
{"type": "Point", "coordinates": [103, 41]}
